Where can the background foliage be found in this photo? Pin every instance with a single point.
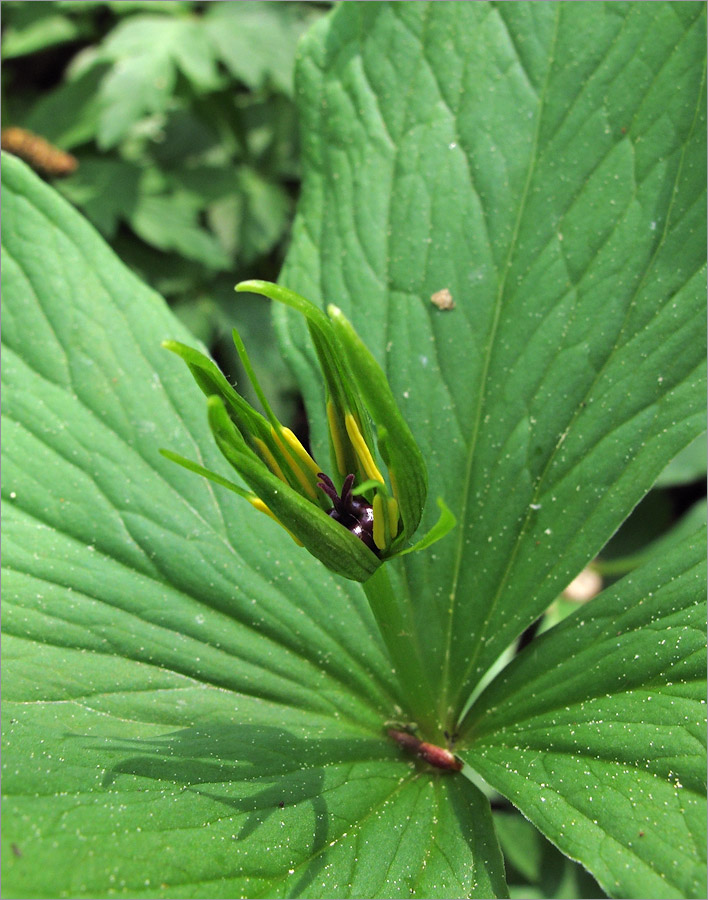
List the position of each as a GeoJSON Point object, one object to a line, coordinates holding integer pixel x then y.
{"type": "Point", "coordinates": [186, 705]}
{"type": "Point", "coordinates": [182, 120]}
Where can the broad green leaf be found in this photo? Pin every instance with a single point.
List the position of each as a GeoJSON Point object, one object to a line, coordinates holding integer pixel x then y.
{"type": "Point", "coordinates": [29, 27]}
{"type": "Point", "coordinates": [545, 164]}
{"type": "Point", "coordinates": [271, 133]}
{"type": "Point", "coordinates": [258, 214]}
{"type": "Point", "coordinates": [186, 135]}
{"type": "Point", "coordinates": [170, 222]}
{"type": "Point", "coordinates": [68, 116]}
{"type": "Point", "coordinates": [147, 51]}
{"type": "Point", "coordinates": [141, 81]}
{"type": "Point", "coordinates": [596, 731]}
{"type": "Point", "coordinates": [166, 7]}
{"type": "Point", "coordinates": [128, 7]}
{"type": "Point", "coordinates": [256, 41]}
{"type": "Point", "coordinates": [106, 190]}
{"type": "Point", "coordinates": [174, 668]}
{"type": "Point", "coordinates": [194, 56]}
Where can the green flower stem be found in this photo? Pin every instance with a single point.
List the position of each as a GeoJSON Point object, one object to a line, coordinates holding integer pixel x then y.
{"type": "Point", "coordinates": [394, 621]}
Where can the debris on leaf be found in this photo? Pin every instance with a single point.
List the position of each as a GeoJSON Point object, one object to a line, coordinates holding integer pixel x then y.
{"type": "Point", "coordinates": [443, 299]}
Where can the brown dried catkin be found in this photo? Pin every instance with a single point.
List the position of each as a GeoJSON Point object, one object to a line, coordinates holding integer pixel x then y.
{"type": "Point", "coordinates": [38, 152]}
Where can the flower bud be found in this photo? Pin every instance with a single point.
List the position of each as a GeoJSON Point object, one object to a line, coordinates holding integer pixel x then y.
{"type": "Point", "coordinates": [380, 471]}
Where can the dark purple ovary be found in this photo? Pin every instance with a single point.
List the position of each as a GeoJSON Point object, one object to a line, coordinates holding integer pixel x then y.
{"type": "Point", "coordinates": [353, 512]}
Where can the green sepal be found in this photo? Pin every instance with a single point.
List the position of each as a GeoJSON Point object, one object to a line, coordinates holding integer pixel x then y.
{"type": "Point", "coordinates": [312, 313]}
{"type": "Point", "coordinates": [396, 443]}
{"type": "Point", "coordinates": [213, 382]}
{"type": "Point", "coordinates": [338, 378]}
{"type": "Point", "coordinates": [206, 473]}
{"type": "Point", "coordinates": [351, 372]}
{"type": "Point", "coordinates": [446, 522]}
{"type": "Point", "coordinates": [335, 546]}
{"type": "Point", "coordinates": [248, 420]}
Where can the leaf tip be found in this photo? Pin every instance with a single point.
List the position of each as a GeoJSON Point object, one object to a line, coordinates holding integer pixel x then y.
{"type": "Point", "coordinates": [252, 286]}
{"type": "Point", "coordinates": [215, 402]}
{"type": "Point", "coordinates": [176, 347]}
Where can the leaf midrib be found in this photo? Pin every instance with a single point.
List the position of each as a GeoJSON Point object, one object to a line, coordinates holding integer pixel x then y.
{"type": "Point", "coordinates": [444, 710]}
{"type": "Point", "coordinates": [576, 413]}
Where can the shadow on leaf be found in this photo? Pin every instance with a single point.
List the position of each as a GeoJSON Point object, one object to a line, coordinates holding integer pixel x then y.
{"type": "Point", "coordinates": [256, 770]}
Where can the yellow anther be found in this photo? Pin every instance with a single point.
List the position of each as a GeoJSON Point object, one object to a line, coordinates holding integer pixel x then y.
{"type": "Point", "coordinates": [305, 482]}
{"type": "Point", "coordinates": [366, 460]}
{"type": "Point", "coordinates": [302, 454]}
{"type": "Point", "coordinates": [393, 516]}
{"type": "Point", "coordinates": [336, 437]}
{"type": "Point", "coordinates": [379, 523]}
{"type": "Point", "coordinates": [270, 459]}
{"type": "Point", "coordinates": [261, 507]}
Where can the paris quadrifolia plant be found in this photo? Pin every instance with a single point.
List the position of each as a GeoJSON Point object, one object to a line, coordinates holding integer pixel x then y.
{"type": "Point", "coordinates": [360, 509]}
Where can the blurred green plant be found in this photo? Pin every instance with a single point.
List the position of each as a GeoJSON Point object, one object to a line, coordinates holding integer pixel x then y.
{"type": "Point", "coordinates": [181, 117]}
